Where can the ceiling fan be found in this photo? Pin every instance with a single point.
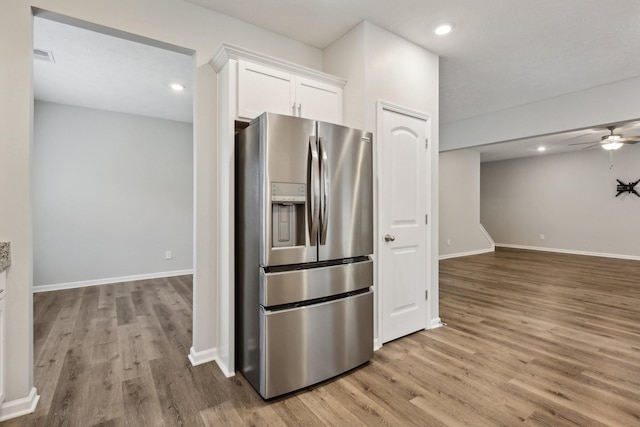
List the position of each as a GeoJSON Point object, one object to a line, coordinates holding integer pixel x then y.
{"type": "Point", "coordinates": [612, 141]}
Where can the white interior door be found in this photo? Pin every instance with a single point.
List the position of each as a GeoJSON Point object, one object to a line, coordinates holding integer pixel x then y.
{"type": "Point", "coordinates": [403, 201]}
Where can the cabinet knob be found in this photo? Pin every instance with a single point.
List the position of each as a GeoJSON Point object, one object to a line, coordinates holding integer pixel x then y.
{"type": "Point", "coordinates": [389, 238]}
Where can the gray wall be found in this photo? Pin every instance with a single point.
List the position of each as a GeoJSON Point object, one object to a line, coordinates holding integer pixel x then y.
{"type": "Point", "coordinates": [111, 193]}
{"type": "Point", "coordinates": [460, 229]}
{"type": "Point", "coordinates": [570, 198]}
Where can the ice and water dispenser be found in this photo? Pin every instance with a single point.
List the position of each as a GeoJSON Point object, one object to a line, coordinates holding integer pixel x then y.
{"type": "Point", "coordinates": [287, 212]}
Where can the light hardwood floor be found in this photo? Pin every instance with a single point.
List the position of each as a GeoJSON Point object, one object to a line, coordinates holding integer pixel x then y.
{"type": "Point", "coordinates": [532, 339]}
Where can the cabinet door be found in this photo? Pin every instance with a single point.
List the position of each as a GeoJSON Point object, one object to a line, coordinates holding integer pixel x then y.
{"type": "Point", "coordinates": [263, 89]}
{"type": "Point", "coordinates": [318, 101]}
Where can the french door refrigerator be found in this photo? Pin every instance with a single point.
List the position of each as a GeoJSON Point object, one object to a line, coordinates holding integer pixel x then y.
{"type": "Point", "coordinates": [304, 233]}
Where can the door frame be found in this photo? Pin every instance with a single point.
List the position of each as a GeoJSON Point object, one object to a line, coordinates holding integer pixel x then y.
{"type": "Point", "coordinates": [381, 107]}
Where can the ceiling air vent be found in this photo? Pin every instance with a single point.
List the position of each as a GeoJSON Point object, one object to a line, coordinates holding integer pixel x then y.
{"type": "Point", "coordinates": [43, 55]}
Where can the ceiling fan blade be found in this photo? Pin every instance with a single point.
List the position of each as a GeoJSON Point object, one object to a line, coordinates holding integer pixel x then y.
{"type": "Point", "coordinates": [597, 144]}
{"type": "Point", "coordinates": [582, 143]}
{"type": "Point", "coordinates": [630, 139]}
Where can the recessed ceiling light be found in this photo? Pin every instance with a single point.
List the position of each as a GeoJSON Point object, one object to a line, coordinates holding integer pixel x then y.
{"type": "Point", "coordinates": [177, 87]}
{"type": "Point", "coordinates": [542, 148]}
{"type": "Point", "coordinates": [443, 29]}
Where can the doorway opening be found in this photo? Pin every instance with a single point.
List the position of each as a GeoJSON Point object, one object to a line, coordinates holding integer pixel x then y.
{"type": "Point", "coordinates": [112, 158]}
{"type": "Point", "coordinates": [113, 198]}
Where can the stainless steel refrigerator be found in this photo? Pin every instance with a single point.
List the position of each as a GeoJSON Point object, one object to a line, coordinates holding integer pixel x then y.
{"type": "Point", "coordinates": [304, 233]}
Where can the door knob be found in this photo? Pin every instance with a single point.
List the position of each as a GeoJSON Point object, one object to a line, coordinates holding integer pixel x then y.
{"type": "Point", "coordinates": [389, 238]}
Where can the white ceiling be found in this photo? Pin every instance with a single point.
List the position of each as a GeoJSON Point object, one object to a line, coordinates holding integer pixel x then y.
{"type": "Point", "coordinates": [501, 53]}
{"type": "Point", "coordinates": [95, 70]}
{"type": "Point", "coordinates": [558, 143]}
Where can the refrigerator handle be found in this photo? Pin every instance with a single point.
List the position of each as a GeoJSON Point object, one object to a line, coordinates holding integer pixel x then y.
{"type": "Point", "coordinates": [313, 185]}
{"type": "Point", "coordinates": [324, 169]}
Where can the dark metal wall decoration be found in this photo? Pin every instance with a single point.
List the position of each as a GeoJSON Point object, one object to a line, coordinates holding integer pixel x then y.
{"type": "Point", "coordinates": [627, 188]}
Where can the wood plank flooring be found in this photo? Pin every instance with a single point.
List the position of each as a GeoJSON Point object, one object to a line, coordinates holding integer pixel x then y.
{"type": "Point", "coordinates": [532, 339]}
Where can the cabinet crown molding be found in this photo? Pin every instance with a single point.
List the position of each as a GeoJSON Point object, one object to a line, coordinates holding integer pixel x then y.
{"type": "Point", "coordinates": [227, 52]}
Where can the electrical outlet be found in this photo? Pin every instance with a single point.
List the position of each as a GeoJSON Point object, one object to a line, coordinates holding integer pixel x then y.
{"type": "Point", "coordinates": [168, 255]}
{"type": "Point", "coordinates": [448, 242]}
{"type": "Point", "coordinates": [542, 237]}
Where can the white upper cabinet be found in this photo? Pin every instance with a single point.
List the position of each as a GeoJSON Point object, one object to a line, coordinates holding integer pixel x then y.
{"type": "Point", "coordinates": [268, 84]}
{"type": "Point", "coordinates": [318, 101]}
{"type": "Point", "coordinates": [263, 89]}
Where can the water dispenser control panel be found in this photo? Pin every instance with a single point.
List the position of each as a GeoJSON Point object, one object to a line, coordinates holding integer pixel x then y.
{"type": "Point", "coordinates": [288, 192]}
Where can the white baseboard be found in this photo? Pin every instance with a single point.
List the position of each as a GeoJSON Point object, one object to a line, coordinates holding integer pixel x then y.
{"type": "Point", "coordinates": [488, 237]}
{"type": "Point", "coordinates": [110, 280]}
{"type": "Point", "coordinates": [460, 254]}
{"type": "Point", "coordinates": [435, 323]}
{"type": "Point", "coordinates": [568, 251]}
{"type": "Point", "coordinates": [19, 407]}
{"type": "Point", "coordinates": [210, 355]}
{"type": "Point", "coordinates": [225, 369]}
{"type": "Point", "coordinates": [491, 248]}
{"type": "Point", "coordinates": [204, 356]}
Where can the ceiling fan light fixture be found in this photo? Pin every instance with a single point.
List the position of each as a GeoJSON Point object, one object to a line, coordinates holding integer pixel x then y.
{"type": "Point", "coordinates": [611, 142]}
{"type": "Point", "coordinates": [612, 138]}
{"type": "Point", "coordinates": [613, 145]}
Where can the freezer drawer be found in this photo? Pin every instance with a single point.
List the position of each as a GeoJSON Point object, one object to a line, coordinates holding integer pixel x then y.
{"type": "Point", "coordinates": [306, 345]}
{"type": "Point", "coordinates": [302, 285]}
